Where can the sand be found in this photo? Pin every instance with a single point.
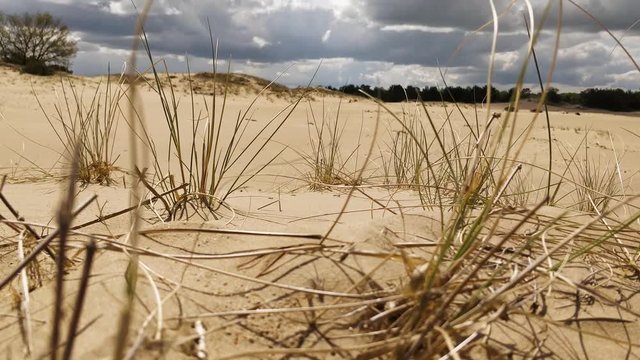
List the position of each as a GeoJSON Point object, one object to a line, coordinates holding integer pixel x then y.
{"type": "Point", "coordinates": [217, 279]}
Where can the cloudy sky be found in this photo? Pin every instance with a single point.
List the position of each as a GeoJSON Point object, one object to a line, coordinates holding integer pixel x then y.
{"type": "Point", "coordinates": [377, 42]}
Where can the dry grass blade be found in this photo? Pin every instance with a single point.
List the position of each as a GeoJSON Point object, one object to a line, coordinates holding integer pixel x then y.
{"type": "Point", "coordinates": [604, 27]}
{"type": "Point", "coordinates": [232, 231]}
{"type": "Point", "coordinates": [80, 299]}
{"type": "Point", "coordinates": [546, 110]}
{"type": "Point", "coordinates": [15, 213]}
{"type": "Point", "coordinates": [131, 275]}
{"type": "Point", "coordinates": [25, 311]}
{"type": "Point", "coordinates": [42, 244]}
{"type": "Point", "coordinates": [127, 210]}
{"type": "Point", "coordinates": [65, 217]}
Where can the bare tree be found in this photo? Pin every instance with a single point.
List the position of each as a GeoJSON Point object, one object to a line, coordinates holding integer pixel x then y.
{"type": "Point", "coordinates": [36, 40]}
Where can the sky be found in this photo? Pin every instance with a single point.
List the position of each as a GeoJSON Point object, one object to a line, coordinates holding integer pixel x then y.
{"type": "Point", "coordinates": [375, 42]}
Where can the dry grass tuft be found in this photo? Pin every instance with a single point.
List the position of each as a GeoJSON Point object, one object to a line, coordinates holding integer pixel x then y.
{"type": "Point", "coordinates": [327, 164]}
{"type": "Point", "coordinates": [214, 157]}
{"type": "Point", "coordinates": [92, 125]}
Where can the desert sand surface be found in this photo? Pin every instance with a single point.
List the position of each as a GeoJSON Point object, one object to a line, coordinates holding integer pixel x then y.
{"type": "Point", "coordinates": [294, 267]}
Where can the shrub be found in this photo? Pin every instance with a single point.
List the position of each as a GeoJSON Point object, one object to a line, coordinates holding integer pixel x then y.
{"type": "Point", "coordinates": [47, 47]}
{"type": "Point", "coordinates": [37, 68]}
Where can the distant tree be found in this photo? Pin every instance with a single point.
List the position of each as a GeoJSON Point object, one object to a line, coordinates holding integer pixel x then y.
{"type": "Point", "coordinates": [453, 94]}
{"type": "Point", "coordinates": [350, 89]}
{"type": "Point", "coordinates": [380, 92]}
{"type": "Point", "coordinates": [430, 94]}
{"type": "Point", "coordinates": [525, 93]}
{"type": "Point", "coordinates": [412, 92]}
{"type": "Point", "coordinates": [395, 94]}
{"type": "Point", "coordinates": [39, 42]}
{"type": "Point", "coordinates": [367, 89]}
{"type": "Point", "coordinates": [611, 99]}
{"type": "Point", "coordinates": [553, 96]}
{"type": "Point", "coordinates": [570, 98]}
{"type": "Point", "coordinates": [501, 96]}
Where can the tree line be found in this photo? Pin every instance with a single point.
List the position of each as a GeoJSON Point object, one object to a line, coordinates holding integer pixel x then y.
{"type": "Point", "coordinates": [598, 98]}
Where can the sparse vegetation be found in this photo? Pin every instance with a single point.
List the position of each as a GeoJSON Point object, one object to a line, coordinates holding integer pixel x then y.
{"type": "Point", "coordinates": [474, 261]}
{"type": "Point", "coordinates": [329, 161]}
{"type": "Point", "coordinates": [216, 156]}
{"type": "Point", "coordinates": [597, 182]}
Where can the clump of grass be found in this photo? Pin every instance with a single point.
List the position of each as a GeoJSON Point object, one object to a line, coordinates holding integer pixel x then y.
{"type": "Point", "coordinates": [326, 162]}
{"type": "Point", "coordinates": [217, 155]}
{"type": "Point", "coordinates": [591, 185]}
{"type": "Point", "coordinates": [596, 183]}
{"type": "Point", "coordinates": [92, 125]}
{"type": "Point", "coordinates": [416, 162]}
{"type": "Point", "coordinates": [519, 189]}
{"type": "Point", "coordinates": [432, 158]}
{"type": "Point", "coordinates": [407, 161]}
{"type": "Point", "coordinates": [29, 261]}
{"type": "Point", "coordinates": [493, 266]}
{"type": "Point", "coordinates": [486, 262]}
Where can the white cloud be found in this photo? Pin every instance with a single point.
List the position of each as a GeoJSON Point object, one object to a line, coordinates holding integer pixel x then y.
{"type": "Point", "coordinates": [508, 61]}
{"type": "Point", "coordinates": [260, 42]}
{"type": "Point", "coordinates": [270, 6]}
{"type": "Point", "coordinates": [629, 80]}
{"type": "Point", "coordinates": [423, 28]}
{"type": "Point", "coordinates": [170, 10]}
{"type": "Point", "coordinates": [117, 7]}
{"type": "Point", "coordinates": [116, 52]}
{"type": "Point", "coordinates": [340, 71]}
{"type": "Point", "coordinates": [390, 74]}
{"type": "Point", "coordinates": [59, 1]}
{"type": "Point", "coordinates": [326, 36]}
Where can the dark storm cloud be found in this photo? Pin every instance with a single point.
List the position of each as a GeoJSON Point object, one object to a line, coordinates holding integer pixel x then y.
{"type": "Point", "coordinates": [291, 34]}
{"type": "Point", "coordinates": [79, 16]}
{"type": "Point", "coordinates": [466, 15]}
{"type": "Point", "coordinates": [95, 19]}
{"type": "Point", "coordinates": [470, 14]}
{"type": "Point", "coordinates": [186, 33]}
{"type": "Point", "coordinates": [614, 14]}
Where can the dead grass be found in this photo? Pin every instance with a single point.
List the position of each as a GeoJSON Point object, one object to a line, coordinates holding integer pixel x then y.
{"type": "Point", "coordinates": [91, 126]}
{"type": "Point", "coordinates": [213, 165]}
{"type": "Point", "coordinates": [328, 162]}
